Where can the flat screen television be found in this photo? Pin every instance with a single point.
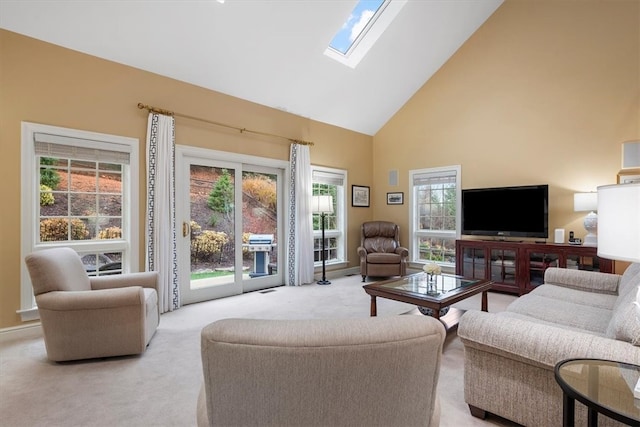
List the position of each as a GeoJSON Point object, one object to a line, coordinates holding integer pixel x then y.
{"type": "Point", "coordinates": [521, 211]}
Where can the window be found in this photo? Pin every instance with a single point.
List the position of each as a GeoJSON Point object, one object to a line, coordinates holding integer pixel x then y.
{"type": "Point", "coordinates": [330, 182]}
{"type": "Point", "coordinates": [362, 28]}
{"type": "Point", "coordinates": [435, 211]}
{"type": "Point", "coordinates": [79, 192]}
{"type": "Point", "coordinates": [364, 14]}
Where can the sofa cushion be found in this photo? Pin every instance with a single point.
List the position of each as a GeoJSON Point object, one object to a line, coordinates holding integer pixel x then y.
{"type": "Point", "coordinates": [383, 258]}
{"type": "Point", "coordinates": [514, 315]}
{"type": "Point", "coordinates": [563, 313]}
{"type": "Point", "coordinates": [590, 281]}
{"type": "Point", "coordinates": [575, 296]}
{"type": "Point", "coordinates": [630, 278]}
{"type": "Point", "coordinates": [628, 283]}
{"type": "Point", "coordinates": [624, 324]}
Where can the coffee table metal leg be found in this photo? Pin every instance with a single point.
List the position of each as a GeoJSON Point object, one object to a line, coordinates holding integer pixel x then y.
{"type": "Point", "coordinates": [374, 308]}
{"type": "Point", "coordinates": [485, 305]}
{"type": "Point", "coordinates": [592, 417]}
{"type": "Point", "coordinates": [568, 411]}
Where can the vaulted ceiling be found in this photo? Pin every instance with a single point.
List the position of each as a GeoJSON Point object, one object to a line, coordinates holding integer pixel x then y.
{"type": "Point", "coordinates": [270, 52]}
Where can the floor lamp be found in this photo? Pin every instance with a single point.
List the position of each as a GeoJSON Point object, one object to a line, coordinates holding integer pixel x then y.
{"type": "Point", "coordinates": [619, 229]}
{"type": "Point", "coordinates": [323, 205]}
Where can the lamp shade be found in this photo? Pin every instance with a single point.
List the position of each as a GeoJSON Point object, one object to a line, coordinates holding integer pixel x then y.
{"type": "Point", "coordinates": [619, 222]}
{"type": "Point", "coordinates": [585, 202]}
{"type": "Point", "coordinates": [322, 204]}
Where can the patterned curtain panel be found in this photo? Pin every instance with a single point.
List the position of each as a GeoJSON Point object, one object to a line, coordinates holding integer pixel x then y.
{"type": "Point", "coordinates": [161, 253]}
{"type": "Point", "coordinates": [300, 239]}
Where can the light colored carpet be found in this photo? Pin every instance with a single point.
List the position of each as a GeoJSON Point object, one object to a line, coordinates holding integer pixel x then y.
{"type": "Point", "coordinates": [160, 387]}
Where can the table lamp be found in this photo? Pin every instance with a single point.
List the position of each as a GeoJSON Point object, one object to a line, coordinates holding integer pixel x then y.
{"type": "Point", "coordinates": [322, 205]}
{"type": "Point", "coordinates": [619, 224]}
{"type": "Point", "coordinates": [588, 202]}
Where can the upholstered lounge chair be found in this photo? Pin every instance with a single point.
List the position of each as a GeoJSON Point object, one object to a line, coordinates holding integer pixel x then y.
{"type": "Point", "coordinates": [87, 317]}
{"type": "Point", "coordinates": [380, 371]}
{"type": "Point", "coordinates": [380, 251]}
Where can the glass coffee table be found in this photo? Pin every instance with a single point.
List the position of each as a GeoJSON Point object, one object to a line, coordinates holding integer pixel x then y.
{"type": "Point", "coordinates": [604, 386]}
{"type": "Point", "coordinates": [432, 297]}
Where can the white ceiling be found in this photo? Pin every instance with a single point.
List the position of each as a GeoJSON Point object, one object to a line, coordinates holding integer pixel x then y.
{"type": "Point", "coordinates": [267, 51]}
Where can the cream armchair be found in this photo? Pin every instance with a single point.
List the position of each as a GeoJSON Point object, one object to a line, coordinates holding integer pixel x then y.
{"type": "Point", "coordinates": [86, 317]}
{"type": "Point", "coordinates": [325, 372]}
{"type": "Point", "coordinates": [380, 251]}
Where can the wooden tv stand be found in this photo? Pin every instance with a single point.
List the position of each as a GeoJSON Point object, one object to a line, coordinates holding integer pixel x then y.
{"type": "Point", "coordinates": [518, 267]}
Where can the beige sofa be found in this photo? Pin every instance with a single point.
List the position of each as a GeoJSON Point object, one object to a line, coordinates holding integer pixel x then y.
{"type": "Point", "coordinates": [377, 371]}
{"type": "Point", "coordinates": [510, 356]}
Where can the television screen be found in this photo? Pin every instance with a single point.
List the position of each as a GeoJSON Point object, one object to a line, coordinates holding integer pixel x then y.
{"type": "Point", "coordinates": [521, 211]}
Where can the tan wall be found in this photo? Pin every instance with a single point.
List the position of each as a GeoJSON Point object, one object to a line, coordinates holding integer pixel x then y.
{"type": "Point", "coordinates": [544, 92]}
{"type": "Point", "coordinates": [43, 83]}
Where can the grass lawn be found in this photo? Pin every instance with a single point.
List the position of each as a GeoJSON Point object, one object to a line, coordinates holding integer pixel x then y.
{"type": "Point", "coordinates": [196, 276]}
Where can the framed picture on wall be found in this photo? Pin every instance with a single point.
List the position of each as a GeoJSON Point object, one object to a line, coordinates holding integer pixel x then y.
{"type": "Point", "coordinates": [360, 196]}
{"type": "Point", "coordinates": [395, 198]}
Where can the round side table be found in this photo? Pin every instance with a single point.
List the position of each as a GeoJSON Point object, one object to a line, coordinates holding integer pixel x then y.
{"type": "Point", "coordinates": [604, 386]}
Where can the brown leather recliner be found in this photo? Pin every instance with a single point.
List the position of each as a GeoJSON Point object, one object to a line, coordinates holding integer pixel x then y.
{"type": "Point", "coordinates": [380, 251]}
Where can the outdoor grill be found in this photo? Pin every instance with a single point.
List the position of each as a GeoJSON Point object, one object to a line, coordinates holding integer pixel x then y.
{"type": "Point", "coordinates": [261, 244]}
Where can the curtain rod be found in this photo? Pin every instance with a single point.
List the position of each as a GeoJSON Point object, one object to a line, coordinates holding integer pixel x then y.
{"type": "Point", "coordinates": [151, 109]}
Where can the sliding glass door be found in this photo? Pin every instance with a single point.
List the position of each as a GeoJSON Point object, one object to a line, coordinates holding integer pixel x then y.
{"type": "Point", "coordinates": [230, 219]}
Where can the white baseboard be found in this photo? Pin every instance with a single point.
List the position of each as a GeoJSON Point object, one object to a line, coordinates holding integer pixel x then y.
{"type": "Point", "coordinates": [32, 330]}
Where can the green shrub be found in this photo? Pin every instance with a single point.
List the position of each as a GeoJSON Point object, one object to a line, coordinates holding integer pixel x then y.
{"type": "Point", "coordinates": [46, 197]}
{"type": "Point", "coordinates": [57, 229]}
{"type": "Point", "coordinates": [207, 244]}
{"type": "Point", "coordinates": [221, 196]}
{"type": "Point", "coordinates": [110, 233]}
{"type": "Point", "coordinates": [195, 228]}
{"type": "Point", "coordinates": [49, 177]}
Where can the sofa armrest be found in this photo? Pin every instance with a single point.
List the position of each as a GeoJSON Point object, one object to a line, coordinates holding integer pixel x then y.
{"type": "Point", "coordinates": [590, 281]}
{"type": "Point", "coordinates": [537, 343]}
{"type": "Point", "coordinates": [147, 279]}
{"type": "Point", "coordinates": [91, 300]}
{"type": "Point", "coordinates": [362, 252]}
{"type": "Point", "coordinates": [402, 251]}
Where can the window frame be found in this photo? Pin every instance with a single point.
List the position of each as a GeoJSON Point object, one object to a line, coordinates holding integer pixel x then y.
{"type": "Point", "coordinates": [341, 219]}
{"type": "Point", "coordinates": [414, 232]}
{"type": "Point", "coordinates": [30, 202]}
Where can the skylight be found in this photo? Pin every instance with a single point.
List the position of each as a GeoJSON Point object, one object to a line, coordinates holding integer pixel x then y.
{"type": "Point", "coordinates": [366, 23]}
{"type": "Point", "coordinates": [361, 16]}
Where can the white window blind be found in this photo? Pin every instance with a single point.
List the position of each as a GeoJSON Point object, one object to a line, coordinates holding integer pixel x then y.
{"type": "Point", "coordinates": [325, 177]}
{"type": "Point", "coordinates": [48, 145]}
{"type": "Point", "coordinates": [435, 178]}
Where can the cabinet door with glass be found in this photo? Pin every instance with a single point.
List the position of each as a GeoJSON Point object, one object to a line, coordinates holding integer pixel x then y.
{"type": "Point", "coordinates": [473, 263]}
{"type": "Point", "coordinates": [503, 268]}
{"type": "Point", "coordinates": [538, 261]}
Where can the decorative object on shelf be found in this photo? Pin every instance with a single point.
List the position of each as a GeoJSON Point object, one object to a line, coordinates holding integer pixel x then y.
{"type": "Point", "coordinates": [619, 207]}
{"type": "Point", "coordinates": [558, 234]}
{"type": "Point", "coordinates": [588, 202]}
{"type": "Point", "coordinates": [360, 196]}
{"type": "Point", "coordinates": [395, 198]}
{"type": "Point", "coordinates": [323, 205]}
